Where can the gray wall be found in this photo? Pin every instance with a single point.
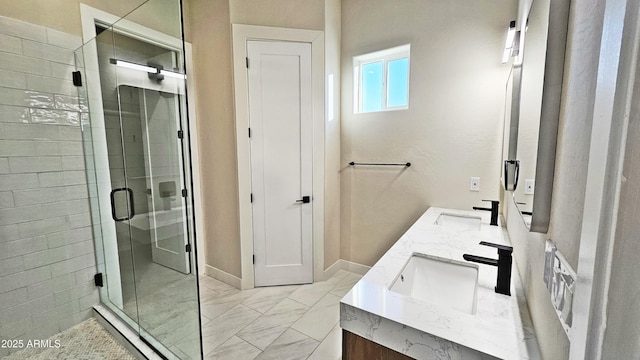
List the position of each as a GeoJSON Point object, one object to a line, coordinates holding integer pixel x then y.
{"type": "Point", "coordinates": [47, 259]}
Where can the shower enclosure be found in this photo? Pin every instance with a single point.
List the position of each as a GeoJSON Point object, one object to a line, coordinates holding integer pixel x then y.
{"type": "Point", "coordinates": [131, 81]}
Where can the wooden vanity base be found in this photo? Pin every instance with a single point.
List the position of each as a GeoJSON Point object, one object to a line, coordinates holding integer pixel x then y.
{"type": "Point", "coordinates": [355, 347]}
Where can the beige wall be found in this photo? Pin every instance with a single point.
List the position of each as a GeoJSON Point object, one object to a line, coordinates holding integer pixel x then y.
{"type": "Point", "coordinates": [211, 38]}
{"type": "Point", "coordinates": [452, 130]}
{"type": "Point", "coordinates": [64, 15]}
{"type": "Point", "coordinates": [300, 14]}
{"type": "Point", "coordinates": [332, 136]}
{"type": "Point", "coordinates": [61, 15]}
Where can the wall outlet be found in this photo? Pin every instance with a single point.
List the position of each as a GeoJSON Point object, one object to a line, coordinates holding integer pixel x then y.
{"type": "Point", "coordinates": [474, 184]}
{"type": "Point", "coordinates": [529, 186]}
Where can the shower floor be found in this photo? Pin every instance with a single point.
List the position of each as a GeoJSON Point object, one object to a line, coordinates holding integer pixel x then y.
{"type": "Point", "coordinates": [87, 340]}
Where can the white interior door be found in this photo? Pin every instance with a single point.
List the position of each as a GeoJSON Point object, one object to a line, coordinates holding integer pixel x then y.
{"type": "Point", "coordinates": [280, 119]}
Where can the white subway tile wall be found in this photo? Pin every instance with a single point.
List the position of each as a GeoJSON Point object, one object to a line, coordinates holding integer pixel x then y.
{"type": "Point", "coordinates": [47, 255]}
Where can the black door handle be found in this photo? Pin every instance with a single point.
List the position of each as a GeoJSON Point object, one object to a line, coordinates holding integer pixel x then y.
{"type": "Point", "coordinates": [304, 200]}
{"type": "Point", "coordinates": [113, 205]}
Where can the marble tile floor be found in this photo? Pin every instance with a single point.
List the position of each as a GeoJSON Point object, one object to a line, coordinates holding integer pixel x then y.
{"type": "Point", "coordinates": [282, 322]}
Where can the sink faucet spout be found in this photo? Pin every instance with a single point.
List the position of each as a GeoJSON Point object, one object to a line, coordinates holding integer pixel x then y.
{"type": "Point", "coordinates": [504, 261]}
{"type": "Point", "coordinates": [494, 211]}
{"type": "Point", "coordinates": [480, 260]}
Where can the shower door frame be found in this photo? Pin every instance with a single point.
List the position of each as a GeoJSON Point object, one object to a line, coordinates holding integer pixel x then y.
{"type": "Point", "coordinates": [90, 16]}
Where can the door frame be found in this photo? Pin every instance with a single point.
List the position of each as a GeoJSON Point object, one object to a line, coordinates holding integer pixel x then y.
{"type": "Point", "coordinates": [241, 34]}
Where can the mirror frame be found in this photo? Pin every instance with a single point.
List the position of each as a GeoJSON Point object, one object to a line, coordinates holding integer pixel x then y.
{"type": "Point", "coordinates": [550, 114]}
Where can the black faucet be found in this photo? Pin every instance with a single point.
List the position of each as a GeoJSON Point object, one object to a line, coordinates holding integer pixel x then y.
{"type": "Point", "coordinates": [503, 283]}
{"type": "Point", "coordinates": [493, 209]}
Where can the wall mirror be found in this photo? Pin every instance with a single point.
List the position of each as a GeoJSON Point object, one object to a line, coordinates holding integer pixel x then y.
{"type": "Point", "coordinates": [511, 170]}
{"type": "Point", "coordinates": [534, 36]}
{"type": "Point", "coordinates": [543, 36]}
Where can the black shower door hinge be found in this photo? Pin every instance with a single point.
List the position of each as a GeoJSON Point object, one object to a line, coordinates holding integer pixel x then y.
{"type": "Point", "coordinates": [253, 258]}
{"type": "Point", "coordinates": [184, 192]}
{"type": "Point", "coordinates": [187, 248]}
{"type": "Point", "coordinates": [77, 78]}
{"type": "Point", "coordinates": [97, 279]}
{"type": "Point", "coordinates": [180, 134]}
{"type": "Point", "coordinates": [247, 61]}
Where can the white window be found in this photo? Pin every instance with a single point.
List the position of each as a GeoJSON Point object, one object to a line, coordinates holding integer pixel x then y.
{"type": "Point", "coordinates": [381, 80]}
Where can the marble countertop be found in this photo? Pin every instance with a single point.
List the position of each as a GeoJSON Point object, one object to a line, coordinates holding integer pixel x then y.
{"type": "Point", "coordinates": [501, 327]}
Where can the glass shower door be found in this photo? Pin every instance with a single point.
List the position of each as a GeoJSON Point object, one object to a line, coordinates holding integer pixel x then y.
{"type": "Point", "coordinates": [154, 166]}
{"type": "Point", "coordinates": [141, 197]}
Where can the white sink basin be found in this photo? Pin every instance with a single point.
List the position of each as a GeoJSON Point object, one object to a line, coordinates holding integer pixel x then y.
{"type": "Point", "coordinates": [461, 222]}
{"type": "Point", "coordinates": [439, 281]}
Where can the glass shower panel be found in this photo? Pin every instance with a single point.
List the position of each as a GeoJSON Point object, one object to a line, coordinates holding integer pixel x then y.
{"type": "Point", "coordinates": [120, 192]}
{"type": "Point", "coordinates": [106, 178]}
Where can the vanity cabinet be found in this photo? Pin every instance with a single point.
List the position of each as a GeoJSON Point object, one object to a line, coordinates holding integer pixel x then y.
{"type": "Point", "coordinates": [355, 347]}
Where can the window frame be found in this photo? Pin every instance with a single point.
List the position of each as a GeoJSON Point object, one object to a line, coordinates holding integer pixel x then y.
{"type": "Point", "coordinates": [386, 56]}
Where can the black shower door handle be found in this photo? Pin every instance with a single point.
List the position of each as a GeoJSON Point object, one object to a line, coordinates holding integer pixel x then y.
{"type": "Point", "coordinates": [132, 211]}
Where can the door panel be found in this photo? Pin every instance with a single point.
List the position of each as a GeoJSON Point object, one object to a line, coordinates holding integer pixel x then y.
{"type": "Point", "coordinates": [280, 117]}
{"type": "Point", "coordinates": [153, 167]}
{"type": "Point", "coordinates": [134, 157]}
{"type": "Point", "coordinates": [163, 165]}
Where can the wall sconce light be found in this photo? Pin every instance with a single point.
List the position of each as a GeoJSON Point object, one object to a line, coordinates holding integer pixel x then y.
{"type": "Point", "coordinates": [509, 45]}
{"type": "Point", "coordinates": [155, 72]}
{"type": "Point", "coordinates": [173, 74]}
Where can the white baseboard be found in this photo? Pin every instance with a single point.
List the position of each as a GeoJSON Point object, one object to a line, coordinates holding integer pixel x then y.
{"type": "Point", "coordinates": [332, 270]}
{"type": "Point", "coordinates": [355, 267]}
{"type": "Point", "coordinates": [347, 266]}
{"type": "Point", "coordinates": [236, 282]}
{"type": "Point", "coordinates": [223, 276]}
